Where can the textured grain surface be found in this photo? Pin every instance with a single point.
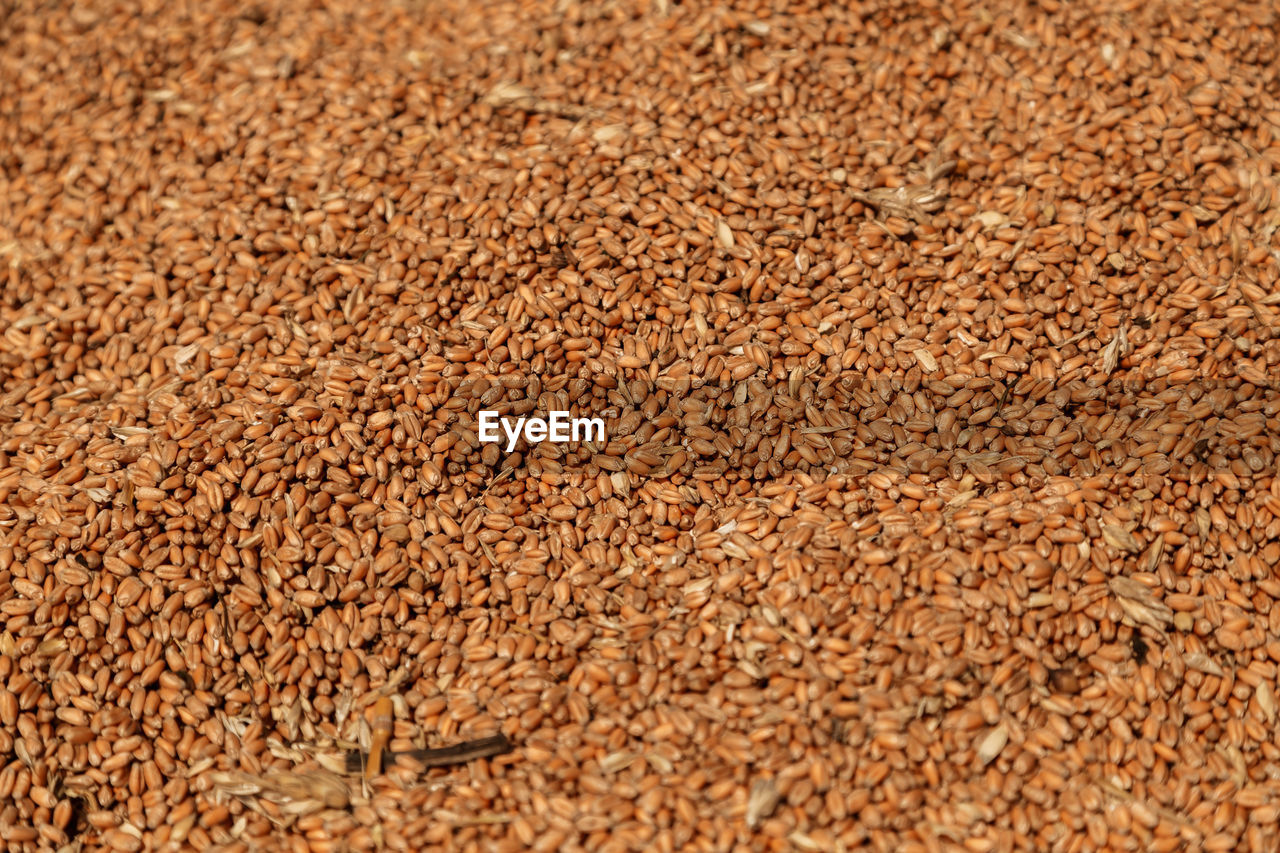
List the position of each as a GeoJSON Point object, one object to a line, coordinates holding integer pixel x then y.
{"type": "Point", "coordinates": [938, 345]}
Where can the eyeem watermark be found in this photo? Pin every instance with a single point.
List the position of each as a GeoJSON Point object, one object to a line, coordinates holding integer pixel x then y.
{"type": "Point", "coordinates": [559, 428]}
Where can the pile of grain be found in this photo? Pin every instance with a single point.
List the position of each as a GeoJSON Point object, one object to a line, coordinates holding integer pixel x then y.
{"type": "Point", "coordinates": [937, 344]}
